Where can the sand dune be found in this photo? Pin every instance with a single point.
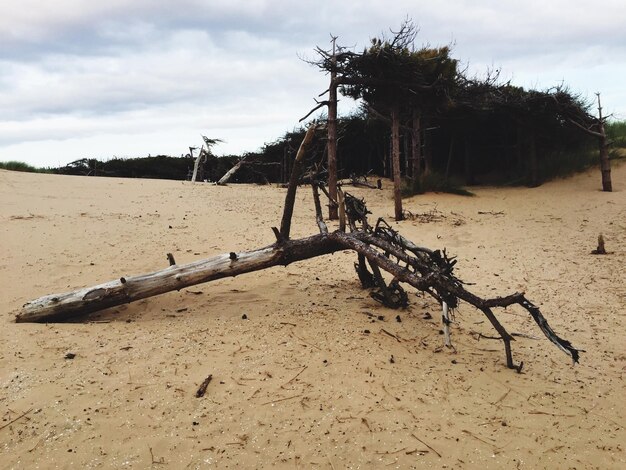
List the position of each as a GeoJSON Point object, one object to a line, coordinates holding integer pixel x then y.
{"type": "Point", "coordinates": [300, 383]}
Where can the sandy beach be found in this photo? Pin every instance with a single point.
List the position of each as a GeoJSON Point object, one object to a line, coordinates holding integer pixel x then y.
{"type": "Point", "coordinates": [317, 374]}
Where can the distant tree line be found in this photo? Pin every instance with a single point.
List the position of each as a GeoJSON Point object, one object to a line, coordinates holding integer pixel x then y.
{"type": "Point", "coordinates": [420, 117]}
{"type": "Point", "coordinates": [474, 148]}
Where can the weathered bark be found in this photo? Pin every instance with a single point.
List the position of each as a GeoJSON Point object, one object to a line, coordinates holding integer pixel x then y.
{"type": "Point", "coordinates": [332, 135]}
{"type": "Point", "coordinates": [319, 218]}
{"type": "Point", "coordinates": [428, 152]}
{"type": "Point", "coordinates": [290, 199]}
{"type": "Point", "coordinates": [229, 174]}
{"type": "Point", "coordinates": [65, 306]}
{"type": "Point", "coordinates": [395, 155]}
{"type": "Point", "coordinates": [416, 144]}
{"type": "Point", "coordinates": [605, 163]}
{"type": "Point", "coordinates": [196, 166]}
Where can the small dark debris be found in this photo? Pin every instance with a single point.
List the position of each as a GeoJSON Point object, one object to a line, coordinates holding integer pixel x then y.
{"type": "Point", "coordinates": [381, 317]}
{"type": "Point", "coordinates": [392, 360]}
{"type": "Point", "coordinates": [453, 361]}
{"type": "Point", "coordinates": [169, 226]}
{"type": "Point", "coordinates": [398, 319]}
{"type": "Point", "coordinates": [123, 280]}
{"type": "Point", "coordinates": [325, 361]}
{"type": "Point", "coordinates": [427, 316]}
{"type": "Point", "coordinates": [70, 355]}
{"type": "Point", "coordinates": [195, 423]}
{"type": "Point", "coordinates": [233, 255]}
{"type": "Point", "coordinates": [367, 332]}
{"type": "Point", "coordinates": [440, 332]}
{"type": "Point", "coordinates": [244, 317]}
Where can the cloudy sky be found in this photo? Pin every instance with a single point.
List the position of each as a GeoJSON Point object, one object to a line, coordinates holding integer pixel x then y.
{"type": "Point", "coordinates": [84, 78]}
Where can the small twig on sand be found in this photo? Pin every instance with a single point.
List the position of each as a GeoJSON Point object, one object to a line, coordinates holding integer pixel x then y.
{"type": "Point", "coordinates": [390, 452]}
{"type": "Point", "coordinates": [15, 419]}
{"type": "Point", "coordinates": [388, 393]}
{"type": "Point", "coordinates": [294, 377]}
{"type": "Point", "coordinates": [280, 399]}
{"type": "Point", "coordinates": [537, 412]}
{"type": "Point", "coordinates": [308, 342]}
{"type": "Point", "coordinates": [438, 454]}
{"type": "Point", "coordinates": [382, 330]}
{"type": "Point", "coordinates": [161, 461]}
{"type": "Point", "coordinates": [476, 437]}
{"type": "Point", "coordinates": [502, 397]}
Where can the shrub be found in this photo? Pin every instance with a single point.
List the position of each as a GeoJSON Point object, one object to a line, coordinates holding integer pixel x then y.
{"type": "Point", "coordinates": [14, 165]}
{"type": "Point", "coordinates": [616, 132]}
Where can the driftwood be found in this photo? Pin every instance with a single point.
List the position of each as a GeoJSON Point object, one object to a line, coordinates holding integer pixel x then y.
{"type": "Point", "coordinates": [229, 174]}
{"type": "Point", "coordinates": [197, 164]}
{"type": "Point", "coordinates": [378, 247]}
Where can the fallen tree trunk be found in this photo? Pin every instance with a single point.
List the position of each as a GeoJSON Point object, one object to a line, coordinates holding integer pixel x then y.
{"type": "Point", "coordinates": [229, 174]}
{"type": "Point", "coordinates": [65, 306]}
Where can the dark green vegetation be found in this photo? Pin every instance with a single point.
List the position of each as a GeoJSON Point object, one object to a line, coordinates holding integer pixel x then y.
{"type": "Point", "coordinates": [364, 148]}
{"type": "Point", "coordinates": [160, 167]}
{"type": "Point", "coordinates": [13, 165]}
{"type": "Point", "coordinates": [616, 132]}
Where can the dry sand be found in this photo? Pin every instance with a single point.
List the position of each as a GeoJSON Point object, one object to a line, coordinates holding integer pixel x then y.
{"type": "Point", "coordinates": [300, 384]}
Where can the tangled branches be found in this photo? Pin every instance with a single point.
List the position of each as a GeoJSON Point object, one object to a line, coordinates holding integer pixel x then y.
{"type": "Point", "coordinates": [429, 271]}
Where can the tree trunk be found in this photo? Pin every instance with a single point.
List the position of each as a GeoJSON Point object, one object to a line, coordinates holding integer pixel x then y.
{"type": "Point", "coordinates": [65, 306]}
{"type": "Point", "coordinates": [428, 153]}
{"type": "Point", "coordinates": [290, 198]}
{"type": "Point", "coordinates": [605, 163]}
{"type": "Point", "coordinates": [416, 144]}
{"type": "Point", "coordinates": [332, 137]}
{"type": "Point", "coordinates": [408, 169]}
{"type": "Point", "coordinates": [397, 177]}
{"type": "Point", "coordinates": [229, 174]}
{"type": "Point", "coordinates": [196, 167]}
